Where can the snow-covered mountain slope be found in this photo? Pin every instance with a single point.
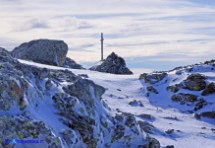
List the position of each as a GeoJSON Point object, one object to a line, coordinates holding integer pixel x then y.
{"type": "Point", "coordinates": [174, 121]}
{"type": "Point", "coordinates": [63, 109]}
{"type": "Point", "coordinates": [82, 108]}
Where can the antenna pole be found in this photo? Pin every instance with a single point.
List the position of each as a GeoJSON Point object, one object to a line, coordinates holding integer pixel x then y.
{"type": "Point", "coordinates": [102, 40]}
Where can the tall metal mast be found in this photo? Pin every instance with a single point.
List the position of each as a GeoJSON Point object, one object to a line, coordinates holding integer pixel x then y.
{"type": "Point", "coordinates": [102, 40]}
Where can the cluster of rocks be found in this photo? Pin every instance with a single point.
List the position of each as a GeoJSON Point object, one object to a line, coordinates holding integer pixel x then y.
{"type": "Point", "coordinates": [194, 83]}
{"type": "Point", "coordinates": [21, 127]}
{"type": "Point", "coordinates": [112, 64]}
{"type": "Point", "coordinates": [152, 78]}
{"type": "Point", "coordinates": [184, 92]}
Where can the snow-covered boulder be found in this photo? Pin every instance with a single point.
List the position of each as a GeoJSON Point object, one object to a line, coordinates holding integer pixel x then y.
{"type": "Point", "coordinates": [112, 64]}
{"type": "Point", "coordinates": [51, 52]}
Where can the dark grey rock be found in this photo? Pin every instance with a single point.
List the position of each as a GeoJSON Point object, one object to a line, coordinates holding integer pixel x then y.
{"type": "Point", "coordinates": [112, 64]}
{"type": "Point", "coordinates": [136, 103]}
{"type": "Point", "coordinates": [195, 82]}
{"type": "Point", "coordinates": [146, 127]}
{"type": "Point", "coordinates": [173, 89]}
{"type": "Point", "coordinates": [69, 63]}
{"type": "Point", "coordinates": [4, 52]}
{"type": "Point", "coordinates": [152, 143]}
{"type": "Point", "coordinates": [208, 114]}
{"type": "Point", "coordinates": [170, 146]}
{"type": "Point", "coordinates": [21, 127]}
{"type": "Point", "coordinates": [152, 78]}
{"type": "Point", "coordinates": [184, 98]}
{"type": "Point", "coordinates": [169, 131]}
{"type": "Point", "coordinates": [152, 89]}
{"type": "Point", "coordinates": [210, 89]}
{"type": "Point", "coordinates": [51, 52]}
{"type": "Point", "coordinates": [146, 116]}
{"type": "Point", "coordinates": [200, 104]}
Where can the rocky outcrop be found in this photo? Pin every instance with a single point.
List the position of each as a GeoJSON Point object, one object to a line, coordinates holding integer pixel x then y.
{"type": "Point", "coordinates": [4, 52]}
{"type": "Point", "coordinates": [208, 114]}
{"type": "Point", "coordinates": [210, 89]}
{"type": "Point", "coordinates": [152, 78]}
{"type": "Point", "coordinates": [51, 52]}
{"type": "Point", "coordinates": [195, 82]}
{"type": "Point", "coordinates": [112, 64]}
{"type": "Point", "coordinates": [152, 89]}
{"type": "Point", "coordinates": [184, 98]}
{"type": "Point", "coordinates": [173, 89]}
{"type": "Point", "coordinates": [21, 127]}
{"type": "Point", "coordinates": [200, 104]}
{"type": "Point", "coordinates": [69, 63]}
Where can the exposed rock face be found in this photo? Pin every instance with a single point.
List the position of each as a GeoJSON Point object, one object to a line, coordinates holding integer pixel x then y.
{"type": "Point", "coordinates": [210, 89]}
{"type": "Point", "coordinates": [208, 114]}
{"type": "Point", "coordinates": [195, 82]}
{"type": "Point", "coordinates": [21, 127]}
{"type": "Point", "coordinates": [51, 52]}
{"type": "Point", "coordinates": [183, 98]}
{"type": "Point", "coordinates": [200, 104]}
{"type": "Point", "coordinates": [112, 64]}
{"type": "Point", "coordinates": [173, 89]}
{"type": "Point", "coordinates": [152, 78]}
{"type": "Point", "coordinates": [69, 63]}
{"type": "Point", "coordinates": [152, 89]}
{"type": "Point", "coordinates": [4, 52]}
{"type": "Point", "coordinates": [153, 143]}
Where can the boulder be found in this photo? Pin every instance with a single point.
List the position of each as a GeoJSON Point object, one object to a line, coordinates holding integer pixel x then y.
{"type": "Point", "coordinates": [183, 98]}
{"type": "Point", "coordinates": [210, 89]}
{"type": "Point", "coordinates": [195, 82]}
{"type": "Point", "coordinates": [51, 52]}
{"type": "Point", "coordinates": [69, 63]}
{"type": "Point", "coordinates": [152, 78]}
{"type": "Point", "coordinates": [173, 89]}
{"type": "Point", "coordinates": [200, 104]}
{"type": "Point", "coordinates": [153, 143]}
{"type": "Point", "coordinates": [112, 64]}
{"type": "Point", "coordinates": [208, 114]}
{"type": "Point", "coordinates": [152, 89]}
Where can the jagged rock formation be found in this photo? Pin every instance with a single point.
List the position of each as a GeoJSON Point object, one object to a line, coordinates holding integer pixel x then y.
{"type": "Point", "coordinates": [69, 63]}
{"type": "Point", "coordinates": [112, 64]}
{"type": "Point", "coordinates": [63, 109]}
{"type": "Point", "coordinates": [51, 52]}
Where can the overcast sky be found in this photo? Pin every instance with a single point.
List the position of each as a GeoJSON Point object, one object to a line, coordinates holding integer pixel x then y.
{"type": "Point", "coordinates": [150, 35]}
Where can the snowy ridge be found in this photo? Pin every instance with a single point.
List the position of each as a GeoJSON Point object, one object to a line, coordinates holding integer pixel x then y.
{"type": "Point", "coordinates": [174, 123]}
